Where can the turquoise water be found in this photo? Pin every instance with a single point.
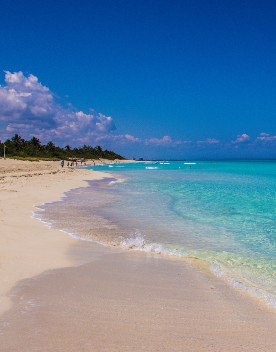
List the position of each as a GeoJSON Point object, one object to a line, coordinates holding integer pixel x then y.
{"type": "Point", "coordinates": [222, 212]}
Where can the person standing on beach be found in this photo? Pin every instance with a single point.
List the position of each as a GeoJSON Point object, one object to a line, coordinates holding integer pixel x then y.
{"type": "Point", "coordinates": [62, 163]}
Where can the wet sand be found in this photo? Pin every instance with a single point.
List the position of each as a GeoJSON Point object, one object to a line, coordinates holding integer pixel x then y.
{"type": "Point", "coordinates": [133, 302]}
{"type": "Point", "coordinates": [27, 246]}
{"type": "Point", "coordinates": [79, 296]}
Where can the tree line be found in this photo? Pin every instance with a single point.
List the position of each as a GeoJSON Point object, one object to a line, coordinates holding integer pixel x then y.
{"type": "Point", "coordinates": [19, 147]}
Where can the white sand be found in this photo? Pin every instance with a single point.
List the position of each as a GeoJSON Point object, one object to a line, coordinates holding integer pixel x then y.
{"type": "Point", "coordinates": [27, 246]}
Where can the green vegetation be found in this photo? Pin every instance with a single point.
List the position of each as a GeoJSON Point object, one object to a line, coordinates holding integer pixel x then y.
{"type": "Point", "coordinates": [19, 148]}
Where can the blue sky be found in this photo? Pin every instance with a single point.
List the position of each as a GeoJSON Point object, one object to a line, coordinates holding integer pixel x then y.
{"type": "Point", "coordinates": [153, 79]}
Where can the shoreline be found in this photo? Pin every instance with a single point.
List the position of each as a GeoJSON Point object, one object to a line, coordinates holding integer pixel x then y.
{"type": "Point", "coordinates": [125, 297]}
{"type": "Point", "coordinates": [133, 241]}
{"type": "Point", "coordinates": [24, 186]}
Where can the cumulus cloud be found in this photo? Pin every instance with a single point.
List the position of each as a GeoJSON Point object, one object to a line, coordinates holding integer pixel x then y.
{"type": "Point", "coordinates": [24, 99]}
{"type": "Point", "coordinates": [208, 141]}
{"type": "Point", "coordinates": [165, 141]}
{"type": "Point", "coordinates": [266, 137]}
{"type": "Point", "coordinates": [29, 108]}
{"type": "Point", "coordinates": [131, 138]}
{"type": "Point", "coordinates": [118, 138]}
{"type": "Point", "coordinates": [241, 139]}
{"type": "Point", "coordinates": [212, 141]}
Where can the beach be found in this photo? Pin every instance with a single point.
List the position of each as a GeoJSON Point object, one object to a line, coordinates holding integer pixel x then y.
{"type": "Point", "coordinates": [59, 293]}
{"type": "Point", "coordinates": [23, 185]}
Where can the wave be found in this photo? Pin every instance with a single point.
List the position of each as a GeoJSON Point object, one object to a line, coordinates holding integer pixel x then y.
{"type": "Point", "coordinates": [242, 284]}
{"type": "Point", "coordinates": [137, 242]}
{"type": "Point", "coordinates": [118, 180]}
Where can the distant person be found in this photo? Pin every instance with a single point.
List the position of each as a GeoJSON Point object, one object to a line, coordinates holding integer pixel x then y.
{"type": "Point", "coordinates": [62, 163]}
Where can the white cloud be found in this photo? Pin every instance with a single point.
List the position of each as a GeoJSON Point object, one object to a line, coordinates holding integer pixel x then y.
{"type": "Point", "coordinates": [131, 138]}
{"type": "Point", "coordinates": [164, 141]}
{"type": "Point", "coordinates": [118, 138]}
{"type": "Point", "coordinates": [208, 141]}
{"type": "Point", "coordinates": [29, 108]}
{"type": "Point", "coordinates": [241, 138]}
{"type": "Point", "coordinates": [212, 141]}
{"type": "Point", "coordinates": [266, 137]}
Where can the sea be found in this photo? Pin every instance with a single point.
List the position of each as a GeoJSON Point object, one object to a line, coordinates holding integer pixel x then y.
{"type": "Point", "coordinates": [222, 212]}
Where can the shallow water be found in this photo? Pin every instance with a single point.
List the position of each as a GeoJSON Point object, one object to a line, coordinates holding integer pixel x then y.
{"type": "Point", "coordinates": [222, 212]}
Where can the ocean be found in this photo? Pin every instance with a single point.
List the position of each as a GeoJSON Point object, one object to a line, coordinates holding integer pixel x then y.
{"type": "Point", "coordinates": [223, 212]}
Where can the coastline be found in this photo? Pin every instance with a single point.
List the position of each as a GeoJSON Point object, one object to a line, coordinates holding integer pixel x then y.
{"type": "Point", "coordinates": [75, 298]}
{"type": "Point", "coordinates": [24, 240]}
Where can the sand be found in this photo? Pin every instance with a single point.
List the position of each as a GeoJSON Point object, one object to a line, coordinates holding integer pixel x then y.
{"type": "Point", "coordinates": [27, 246]}
{"type": "Point", "coordinates": [62, 294]}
